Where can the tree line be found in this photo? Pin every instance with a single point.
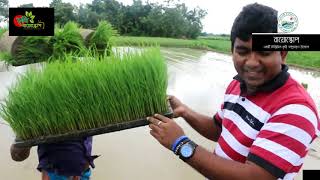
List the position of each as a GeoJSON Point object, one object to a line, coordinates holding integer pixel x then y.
{"type": "Point", "coordinates": [170, 19]}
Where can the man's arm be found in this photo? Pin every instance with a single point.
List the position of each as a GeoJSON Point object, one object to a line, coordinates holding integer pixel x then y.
{"type": "Point", "coordinates": [19, 153]}
{"type": "Point", "coordinates": [204, 125]}
{"type": "Point", "coordinates": [215, 167]}
{"type": "Point", "coordinates": [166, 131]}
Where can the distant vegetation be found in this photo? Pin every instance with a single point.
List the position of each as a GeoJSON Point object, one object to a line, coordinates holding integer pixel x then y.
{"type": "Point", "coordinates": [172, 19]}
{"type": "Point", "coordinates": [219, 44]}
{"type": "Point", "coordinates": [216, 43]}
{"type": "Point", "coordinates": [308, 59]}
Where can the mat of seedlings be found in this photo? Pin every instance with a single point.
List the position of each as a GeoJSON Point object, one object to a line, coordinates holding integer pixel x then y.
{"type": "Point", "coordinates": [77, 135]}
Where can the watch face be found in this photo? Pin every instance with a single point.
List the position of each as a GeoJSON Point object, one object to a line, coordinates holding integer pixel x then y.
{"type": "Point", "coordinates": [186, 150]}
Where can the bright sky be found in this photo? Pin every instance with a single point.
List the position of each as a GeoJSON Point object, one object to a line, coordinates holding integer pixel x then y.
{"type": "Point", "coordinates": [221, 13]}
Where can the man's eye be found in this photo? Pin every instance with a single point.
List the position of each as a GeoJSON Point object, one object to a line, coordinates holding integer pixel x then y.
{"type": "Point", "coordinates": [242, 53]}
{"type": "Point", "coordinates": [264, 53]}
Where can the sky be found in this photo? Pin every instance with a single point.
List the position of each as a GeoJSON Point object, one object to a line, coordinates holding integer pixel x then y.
{"type": "Point", "coordinates": [222, 13]}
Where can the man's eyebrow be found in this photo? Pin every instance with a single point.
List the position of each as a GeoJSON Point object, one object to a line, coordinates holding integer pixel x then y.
{"type": "Point", "coordinates": [241, 47]}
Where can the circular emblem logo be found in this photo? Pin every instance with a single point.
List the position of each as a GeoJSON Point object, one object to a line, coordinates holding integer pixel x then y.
{"type": "Point", "coordinates": [287, 22]}
{"type": "Point", "coordinates": [16, 21]}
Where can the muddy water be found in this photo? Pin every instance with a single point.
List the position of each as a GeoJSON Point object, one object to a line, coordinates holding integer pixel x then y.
{"type": "Point", "coordinates": [198, 78]}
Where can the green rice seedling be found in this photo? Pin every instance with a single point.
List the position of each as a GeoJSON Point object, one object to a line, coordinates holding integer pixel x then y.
{"type": "Point", "coordinates": [66, 39]}
{"type": "Point", "coordinates": [33, 49]}
{"type": "Point", "coordinates": [67, 96]}
{"type": "Point", "coordinates": [6, 57]}
{"type": "Point", "coordinates": [101, 39]}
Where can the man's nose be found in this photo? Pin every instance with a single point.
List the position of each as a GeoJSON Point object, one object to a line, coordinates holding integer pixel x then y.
{"type": "Point", "coordinates": [252, 60]}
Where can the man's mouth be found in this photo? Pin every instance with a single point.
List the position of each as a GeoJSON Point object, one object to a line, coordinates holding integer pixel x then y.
{"type": "Point", "coordinates": [252, 73]}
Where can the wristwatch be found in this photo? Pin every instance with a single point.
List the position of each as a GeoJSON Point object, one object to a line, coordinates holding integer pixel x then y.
{"type": "Point", "coordinates": [187, 150]}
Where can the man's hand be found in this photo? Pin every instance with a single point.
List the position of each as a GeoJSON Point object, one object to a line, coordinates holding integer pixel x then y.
{"type": "Point", "coordinates": [19, 153]}
{"type": "Point", "coordinates": [165, 130]}
{"type": "Point", "coordinates": [179, 109]}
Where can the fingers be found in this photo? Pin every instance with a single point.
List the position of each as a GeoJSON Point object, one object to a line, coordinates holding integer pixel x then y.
{"type": "Point", "coordinates": [154, 124]}
{"type": "Point", "coordinates": [171, 98]}
{"type": "Point", "coordinates": [153, 120]}
{"type": "Point", "coordinates": [155, 129]}
{"type": "Point", "coordinates": [162, 118]}
{"type": "Point", "coordinates": [174, 102]}
{"type": "Point", "coordinates": [155, 135]}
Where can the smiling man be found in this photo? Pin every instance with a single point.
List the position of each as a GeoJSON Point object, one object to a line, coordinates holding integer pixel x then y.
{"type": "Point", "coordinates": [266, 122]}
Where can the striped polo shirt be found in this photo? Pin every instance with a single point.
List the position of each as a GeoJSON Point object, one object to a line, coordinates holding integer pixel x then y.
{"type": "Point", "coordinates": [272, 128]}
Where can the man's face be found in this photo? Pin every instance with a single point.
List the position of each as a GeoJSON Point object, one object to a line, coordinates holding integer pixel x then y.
{"type": "Point", "coordinates": [256, 68]}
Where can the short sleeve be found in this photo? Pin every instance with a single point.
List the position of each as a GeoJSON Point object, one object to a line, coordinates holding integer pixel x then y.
{"type": "Point", "coordinates": [284, 140]}
{"type": "Point", "coordinates": [218, 117]}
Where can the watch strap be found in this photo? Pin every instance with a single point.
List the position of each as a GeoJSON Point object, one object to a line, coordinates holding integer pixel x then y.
{"type": "Point", "coordinates": [193, 145]}
{"type": "Point", "coordinates": [177, 151]}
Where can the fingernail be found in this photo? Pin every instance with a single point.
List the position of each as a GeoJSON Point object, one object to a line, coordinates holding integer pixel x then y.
{"type": "Point", "coordinates": [148, 118]}
{"type": "Point", "coordinates": [156, 115]}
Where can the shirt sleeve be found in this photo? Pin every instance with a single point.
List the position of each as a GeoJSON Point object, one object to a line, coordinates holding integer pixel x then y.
{"type": "Point", "coordinates": [284, 140]}
{"type": "Point", "coordinates": [218, 117]}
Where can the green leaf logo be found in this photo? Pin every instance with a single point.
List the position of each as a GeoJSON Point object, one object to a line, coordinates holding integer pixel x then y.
{"type": "Point", "coordinates": [30, 16]}
{"type": "Point", "coordinates": [31, 19]}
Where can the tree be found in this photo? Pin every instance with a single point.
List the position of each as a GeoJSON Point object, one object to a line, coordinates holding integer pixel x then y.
{"type": "Point", "coordinates": [195, 26]}
{"type": "Point", "coordinates": [4, 8]}
{"type": "Point", "coordinates": [172, 19]}
{"type": "Point", "coordinates": [63, 12]}
{"type": "Point", "coordinates": [109, 10]}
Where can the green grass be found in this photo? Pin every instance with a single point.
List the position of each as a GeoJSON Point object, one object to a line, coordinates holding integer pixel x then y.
{"type": "Point", "coordinates": [2, 31]}
{"type": "Point", "coordinates": [215, 37]}
{"type": "Point", "coordinates": [221, 44]}
{"type": "Point", "coordinates": [77, 95]}
{"type": "Point", "coordinates": [308, 59]}
{"type": "Point", "coordinates": [151, 41]}
{"type": "Point", "coordinates": [101, 38]}
{"type": "Point", "coordinates": [6, 57]}
{"type": "Point", "coordinates": [33, 49]}
{"type": "Point", "coordinates": [67, 39]}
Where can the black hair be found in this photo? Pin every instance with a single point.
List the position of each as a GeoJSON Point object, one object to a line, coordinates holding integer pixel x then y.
{"type": "Point", "coordinates": [254, 18]}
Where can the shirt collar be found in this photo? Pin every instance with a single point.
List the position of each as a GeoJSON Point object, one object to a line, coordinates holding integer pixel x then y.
{"type": "Point", "coordinates": [269, 86]}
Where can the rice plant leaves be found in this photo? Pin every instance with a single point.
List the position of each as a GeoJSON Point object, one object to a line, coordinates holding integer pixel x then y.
{"type": "Point", "coordinates": [74, 95]}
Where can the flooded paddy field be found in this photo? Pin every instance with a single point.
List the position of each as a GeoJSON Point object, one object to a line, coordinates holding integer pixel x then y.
{"type": "Point", "coordinates": [198, 78]}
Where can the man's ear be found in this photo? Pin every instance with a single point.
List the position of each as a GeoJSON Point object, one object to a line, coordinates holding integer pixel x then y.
{"type": "Point", "coordinates": [283, 55]}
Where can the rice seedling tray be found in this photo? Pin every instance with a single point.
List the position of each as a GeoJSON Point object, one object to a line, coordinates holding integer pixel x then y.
{"type": "Point", "coordinates": [76, 135]}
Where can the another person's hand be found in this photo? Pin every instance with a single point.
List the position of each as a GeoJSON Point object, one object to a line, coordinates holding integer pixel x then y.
{"type": "Point", "coordinates": [19, 153]}
{"type": "Point", "coordinates": [165, 130]}
{"type": "Point", "coordinates": [177, 106]}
